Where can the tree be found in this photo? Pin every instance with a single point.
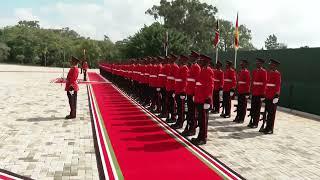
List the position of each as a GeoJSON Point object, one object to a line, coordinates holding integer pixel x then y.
{"type": "Point", "coordinates": [20, 58]}
{"type": "Point", "coordinates": [197, 20]}
{"type": "Point", "coordinates": [4, 52]}
{"type": "Point", "coordinates": [190, 17]}
{"type": "Point", "coordinates": [272, 43]}
{"type": "Point", "coordinates": [31, 24]}
{"type": "Point", "coordinates": [149, 42]}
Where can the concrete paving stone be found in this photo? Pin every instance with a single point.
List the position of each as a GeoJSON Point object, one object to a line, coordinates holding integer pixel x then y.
{"type": "Point", "coordinates": [36, 140]}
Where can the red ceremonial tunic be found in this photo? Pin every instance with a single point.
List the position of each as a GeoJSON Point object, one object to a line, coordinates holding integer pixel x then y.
{"type": "Point", "coordinates": [85, 65]}
{"type": "Point", "coordinates": [273, 84]}
{"type": "Point", "coordinates": [71, 80]}
{"type": "Point", "coordinates": [181, 80]}
{"type": "Point", "coordinates": [170, 78]}
{"type": "Point", "coordinates": [244, 81]}
{"type": "Point", "coordinates": [193, 75]}
{"type": "Point", "coordinates": [229, 79]}
{"type": "Point", "coordinates": [259, 81]}
{"type": "Point", "coordinates": [218, 79]}
{"type": "Point", "coordinates": [160, 79]}
{"type": "Point", "coordinates": [204, 86]}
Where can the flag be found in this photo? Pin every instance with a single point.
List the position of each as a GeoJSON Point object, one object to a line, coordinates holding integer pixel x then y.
{"type": "Point", "coordinates": [166, 41]}
{"type": "Point", "coordinates": [236, 35]}
{"type": "Point", "coordinates": [216, 37]}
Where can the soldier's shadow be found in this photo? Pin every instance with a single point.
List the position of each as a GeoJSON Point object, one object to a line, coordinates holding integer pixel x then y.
{"type": "Point", "coordinates": [241, 135]}
{"type": "Point", "coordinates": [158, 147]}
{"type": "Point", "coordinates": [40, 119]}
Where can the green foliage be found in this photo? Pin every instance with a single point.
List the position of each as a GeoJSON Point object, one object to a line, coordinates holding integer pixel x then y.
{"type": "Point", "coordinates": [27, 43]}
{"type": "Point", "coordinates": [197, 21]}
{"type": "Point", "coordinates": [4, 52]}
{"type": "Point", "coordinates": [272, 43]}
{"type": "Point", "coordinates": [149, 41]}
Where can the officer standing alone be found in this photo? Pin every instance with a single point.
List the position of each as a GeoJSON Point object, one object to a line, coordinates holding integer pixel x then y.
{"type": "Point", "coordinates": [72, 87]}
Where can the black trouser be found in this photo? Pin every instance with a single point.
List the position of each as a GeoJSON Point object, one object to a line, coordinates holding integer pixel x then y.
{"type": "Point", "coordinates": [271, 110]}
{"type": "Point", "coordinates": [203, 115]}
{"type": "Point", "coordinates": [242, 107]}
{"type": "Point", "coordinates": [180, 108]}
{"type": "Point", "coordinates": [72, 103]}
{"type": "Point", "coordinates": [171, 104]}
{"type": "Point", "coordinates": [216, 101]}
{"type": "Point", "coordinates": [84, 74]}
{"type": "Point", "coordinates": [226, 102]}
{"type": "Point", "coordinates": [255, 109]}
{"type": "Point", "coordinates": [191, 114]}
{"type": "Point", "coordinates": [164, 110]}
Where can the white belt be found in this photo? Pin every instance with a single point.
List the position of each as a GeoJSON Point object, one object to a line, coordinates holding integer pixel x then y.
{"type": "Point", "coordinates": [162, 75]}
{"type": "Point", "coordinates": [228, 80]}
{"type": "Point", "coordinates": [135, 72]}
{"type": "Point", "coordinates": [191, 80]}
{"type": "Point", "coordinates": [271, 85]}
{"type": "Point", "coordinates": [198, 84]}
{"type": "Point", "coordinates": [153, 76]}
{"type": "Point", "coordinates": [170, 77]}
{"type": "Point", "coordinates": [257, 83]}
{"type": "Point", "coordinates": [178, 80]}
{"type": "Point", "coordinates": [146, 74]}
{"type": "Point", "coordinates": [242, 82]}
{"type": "Point", "coordinates": [216, 80]}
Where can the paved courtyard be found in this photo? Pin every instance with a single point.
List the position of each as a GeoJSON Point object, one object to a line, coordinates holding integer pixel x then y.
{"type": "Point", "coordinates": [37, 142]}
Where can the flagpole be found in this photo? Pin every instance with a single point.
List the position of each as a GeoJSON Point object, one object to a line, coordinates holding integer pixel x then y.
{"type": "Point", "coordinates": [217, 51]}
{"type": "Point", "coordinates": [235, 58]}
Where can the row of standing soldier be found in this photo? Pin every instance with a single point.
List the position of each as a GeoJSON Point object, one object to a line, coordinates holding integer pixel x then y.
{"type": "Point", "coordinates": [165, 85]}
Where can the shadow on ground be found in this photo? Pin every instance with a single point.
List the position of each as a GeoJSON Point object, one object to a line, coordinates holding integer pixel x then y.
{"type": "Point", "coordinates": [39, 119]}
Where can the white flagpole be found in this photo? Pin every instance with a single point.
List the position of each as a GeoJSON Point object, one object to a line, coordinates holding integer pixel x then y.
{"type": "Point", "coordinates": [235, 58]}
{"type": "Point", "coordinates": [217, 51]}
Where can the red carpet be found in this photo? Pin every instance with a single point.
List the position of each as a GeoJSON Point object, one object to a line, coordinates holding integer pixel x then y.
{"type": "Point", "coordinates": [134, 144]}
{"type": "Point", "coordinates": [6, 175]}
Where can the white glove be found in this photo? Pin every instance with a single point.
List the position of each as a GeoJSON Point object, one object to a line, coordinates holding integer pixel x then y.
{"type": "Point", "coordinates": [262, 99]}
{"type": "Point", "coordinates": [220, 93]}
{"type": "Point", "coordinates": [71, 92]}
{"type": "Point", "coordinates": [206, 106]}
{"type": "Point", "coordinates": [247, 97]}
{"type": "Point", "coordinates": [173, 95]}
{"type": "Point", "coordinates": [231, 93]}
{"type": "Point", "coordinates": [182, 97]}
{"type": "Point", "coordinates": [158, 89]}
{"type": "Point", "coordinates": [275, 100]}
{"type": "Point", "coordinates": [193, 98]}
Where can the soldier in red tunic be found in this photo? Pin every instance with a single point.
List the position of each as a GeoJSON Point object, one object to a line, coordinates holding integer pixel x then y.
{"type": "Point", "coordinates": [72, 87]}
{"type": "Point", "coordinates": [243, 89]}
{"type": "Point", "coordinates": [194, 72]}
{"type": "Point", "coordinates": [203, 99]}
{"type": "Point", "coordinates": [218, 87]}
{"type": "Point", "coordinates": [172, 100]}
{"type": "Point", "coordinates": [228, 89]}
{"type": "Point", "coordinates": [258, 89]}
{"type": "Point", "coordinates": [166, 71]}
{"type": "Point", "coordinates": [85, 68]}
{"type": "Point", "coordinates": [272, 94]}
{"type": "Point", "coordinates": [180, 90]}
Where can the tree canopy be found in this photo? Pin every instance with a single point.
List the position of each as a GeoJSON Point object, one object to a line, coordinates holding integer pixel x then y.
{"type": "Point", "coordinates": [190, 25]}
